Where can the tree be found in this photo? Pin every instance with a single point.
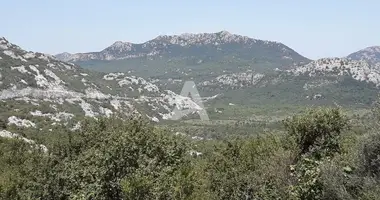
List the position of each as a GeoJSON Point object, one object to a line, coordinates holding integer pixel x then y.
{"type": "Point", "coordinates": [316, 134]}
{"type": "Point", "coordinates": [106, 159]}
{"type": "Point", "coordinates": [317, 131]}
{"type": "Point", "coordinates": [249, 168]}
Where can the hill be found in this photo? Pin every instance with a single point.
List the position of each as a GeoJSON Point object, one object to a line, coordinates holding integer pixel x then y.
{"type": "Point", "coordinates": [370, 54]}
{"type": "Point", "coordinates": [220, 49]}
{"type": "Point", "coordinates": [37, 87]}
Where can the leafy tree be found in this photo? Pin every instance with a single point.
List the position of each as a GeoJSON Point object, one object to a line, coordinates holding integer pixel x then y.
{"type": "Point", "coordinates": [19, 164]}
{"type": "Point", "coordinates": [106, 159]}
{"type": "Point", "coordinates": [254, 168]}
{"type": "Point", "coordinates": [370, 152]}
{"type": "Point", "coordinates": [371, 156]}
{"type": "Point", "coordinates": [317, 132]}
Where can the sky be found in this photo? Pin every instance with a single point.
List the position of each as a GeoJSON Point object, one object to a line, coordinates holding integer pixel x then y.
{"type": "Point", "coordinates": [315, 29]}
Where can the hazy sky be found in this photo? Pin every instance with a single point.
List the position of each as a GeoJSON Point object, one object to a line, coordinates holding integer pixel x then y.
{"type": "Point", "coordinates": [315, 29]}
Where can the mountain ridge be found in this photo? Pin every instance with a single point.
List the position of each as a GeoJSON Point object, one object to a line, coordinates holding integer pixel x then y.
{"type": "Point", "coordinates": [370, 54]}
{"type": "Point", "coordinates": [35, 85]}
{"type": "Point", "coordinates": [191, 44]}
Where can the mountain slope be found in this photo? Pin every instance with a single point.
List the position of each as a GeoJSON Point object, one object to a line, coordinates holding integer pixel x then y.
{"type": "Point", "coordinates": [322, 82]}
{"type": "Point", "coordinates": [370, 54]}
{"type": "Point", "coordinates": [35, 85]}
{"type": "Point", "coordinates": [358, 70]}
{"type": "Point", "coordinates": [200, 47]}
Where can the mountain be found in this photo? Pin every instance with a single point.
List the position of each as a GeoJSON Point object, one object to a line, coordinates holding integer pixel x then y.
{"type": "Point", "coordinates": [36, 87]}
{"type": "Point", "coordinates": [358, 70]}
{"type": "Point", "coordinates": [322, 82]}
{"type": "Point", "coordinates": [65, 56]}
{"type": "Point", "coordinates": [201, 47]}
{"type": "Point", "coordinates": [361, 71]}
{"type": "Point", "coordinates": [370, 54]}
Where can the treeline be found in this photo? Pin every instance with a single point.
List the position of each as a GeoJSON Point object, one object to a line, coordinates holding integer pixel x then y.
{"type": "Point", "coordinates": [319, 156]}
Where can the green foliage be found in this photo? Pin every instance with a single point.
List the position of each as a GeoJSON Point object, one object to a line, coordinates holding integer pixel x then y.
{"type": "Point", "coordinates": [107, 159]}
{"type": "Point", "coordinates": [317, 158]}
{"type": "Point", "coordinates": [370, 152]}
{"type": "Point", "coordinates": [308, 184]}
{"type": "Point", "coordinates": [371, 156]}
{"type": "Point", "coordinates": [19, 163]}
{"type": "Point", "coordinates": [3, 123]}
{"type": "Point", "coordinates": [317, 131]}
{"type": "Point", "coordinates": [317, 134]}
{"type": "Point", "coordinates": [249, 169]}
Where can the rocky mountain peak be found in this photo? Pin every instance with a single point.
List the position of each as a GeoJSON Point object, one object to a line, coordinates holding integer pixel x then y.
{"type": "Point", "coordinates": [373, 49]}
{"type": "Point", "coordinates": [5, 45]}
{"type": "Point", "coordinates": [187, 45]}
{"type": "Point", "coordinates": [64, 56]}
{"type": "Point", "coordinates": [370, 54]}
{"type": "Point", "coordinates": [204, 38]}
{"type": "Point", "coordinates": [120, 46]}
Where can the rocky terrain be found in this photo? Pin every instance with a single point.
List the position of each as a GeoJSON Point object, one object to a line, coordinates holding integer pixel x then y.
{"type": "Point", "coordinates": [325, 81]}
{"type": "Point", "coordinates": [359, 70]}
{"type": "Point", "coordinates": [38, 86]}
{"type": "Point", "coordinates": [370, 54]}
{"type": "Point", "coordinates": [225, 64]}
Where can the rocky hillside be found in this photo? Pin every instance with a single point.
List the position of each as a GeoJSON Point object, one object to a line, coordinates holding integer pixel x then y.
{"type": "Point", "coordinates": [35, 85]}
{"type": "Point", "coordinates": [361, 71]}
{"type": "Point", "coordinates": [203, 46]}
{"type": "Point", "coordinates": [322, 82]}
{"type": "Point", "coordinates": [370, 54]}
{"type": "Point", "coordinates": [358, 70]}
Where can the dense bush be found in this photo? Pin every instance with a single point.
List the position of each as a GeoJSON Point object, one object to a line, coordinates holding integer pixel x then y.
{"type": "Point", "coordinates": [371, 156]}
{"type": "Point", "coordinates": [256, 168]}
{"type": "Point", "coordinates": [107, 159]}
{"type": "Point", "coordinates": [317, 157]}
{"type": "Point", "coordinates": [317, 131]}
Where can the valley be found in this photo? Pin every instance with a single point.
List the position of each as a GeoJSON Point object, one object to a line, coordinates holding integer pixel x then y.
{"type": "Point", "coordinates": [240, 79]}
{"type": "Point", "coordinates": [258, 76]}
{"type": "Point", "coordinates": [114, 108]}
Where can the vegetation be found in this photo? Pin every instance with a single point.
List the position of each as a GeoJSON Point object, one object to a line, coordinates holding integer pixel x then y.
{"type": "Point", "coordinates": [319, 154]}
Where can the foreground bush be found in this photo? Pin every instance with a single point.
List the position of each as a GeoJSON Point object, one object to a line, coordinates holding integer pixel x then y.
{"type": "Point", "coordinates": [317, 134]}
{"type": "Point", "coordinates": [255, 168]}
{"type": "Point", "coordinates": [317, 157]}
{"type": "Point", "coordinates": [107, 159]}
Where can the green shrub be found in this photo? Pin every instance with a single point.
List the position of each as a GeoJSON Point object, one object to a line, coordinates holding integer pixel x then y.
{"type": "Point", "coordinates": [250, 168]}
{"type": "Point", "coordinates": [371, 156]}
{"type": "Point", "coordinates": [106, 159]}
{"type": "Point", "coordinates": [317, 132]}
